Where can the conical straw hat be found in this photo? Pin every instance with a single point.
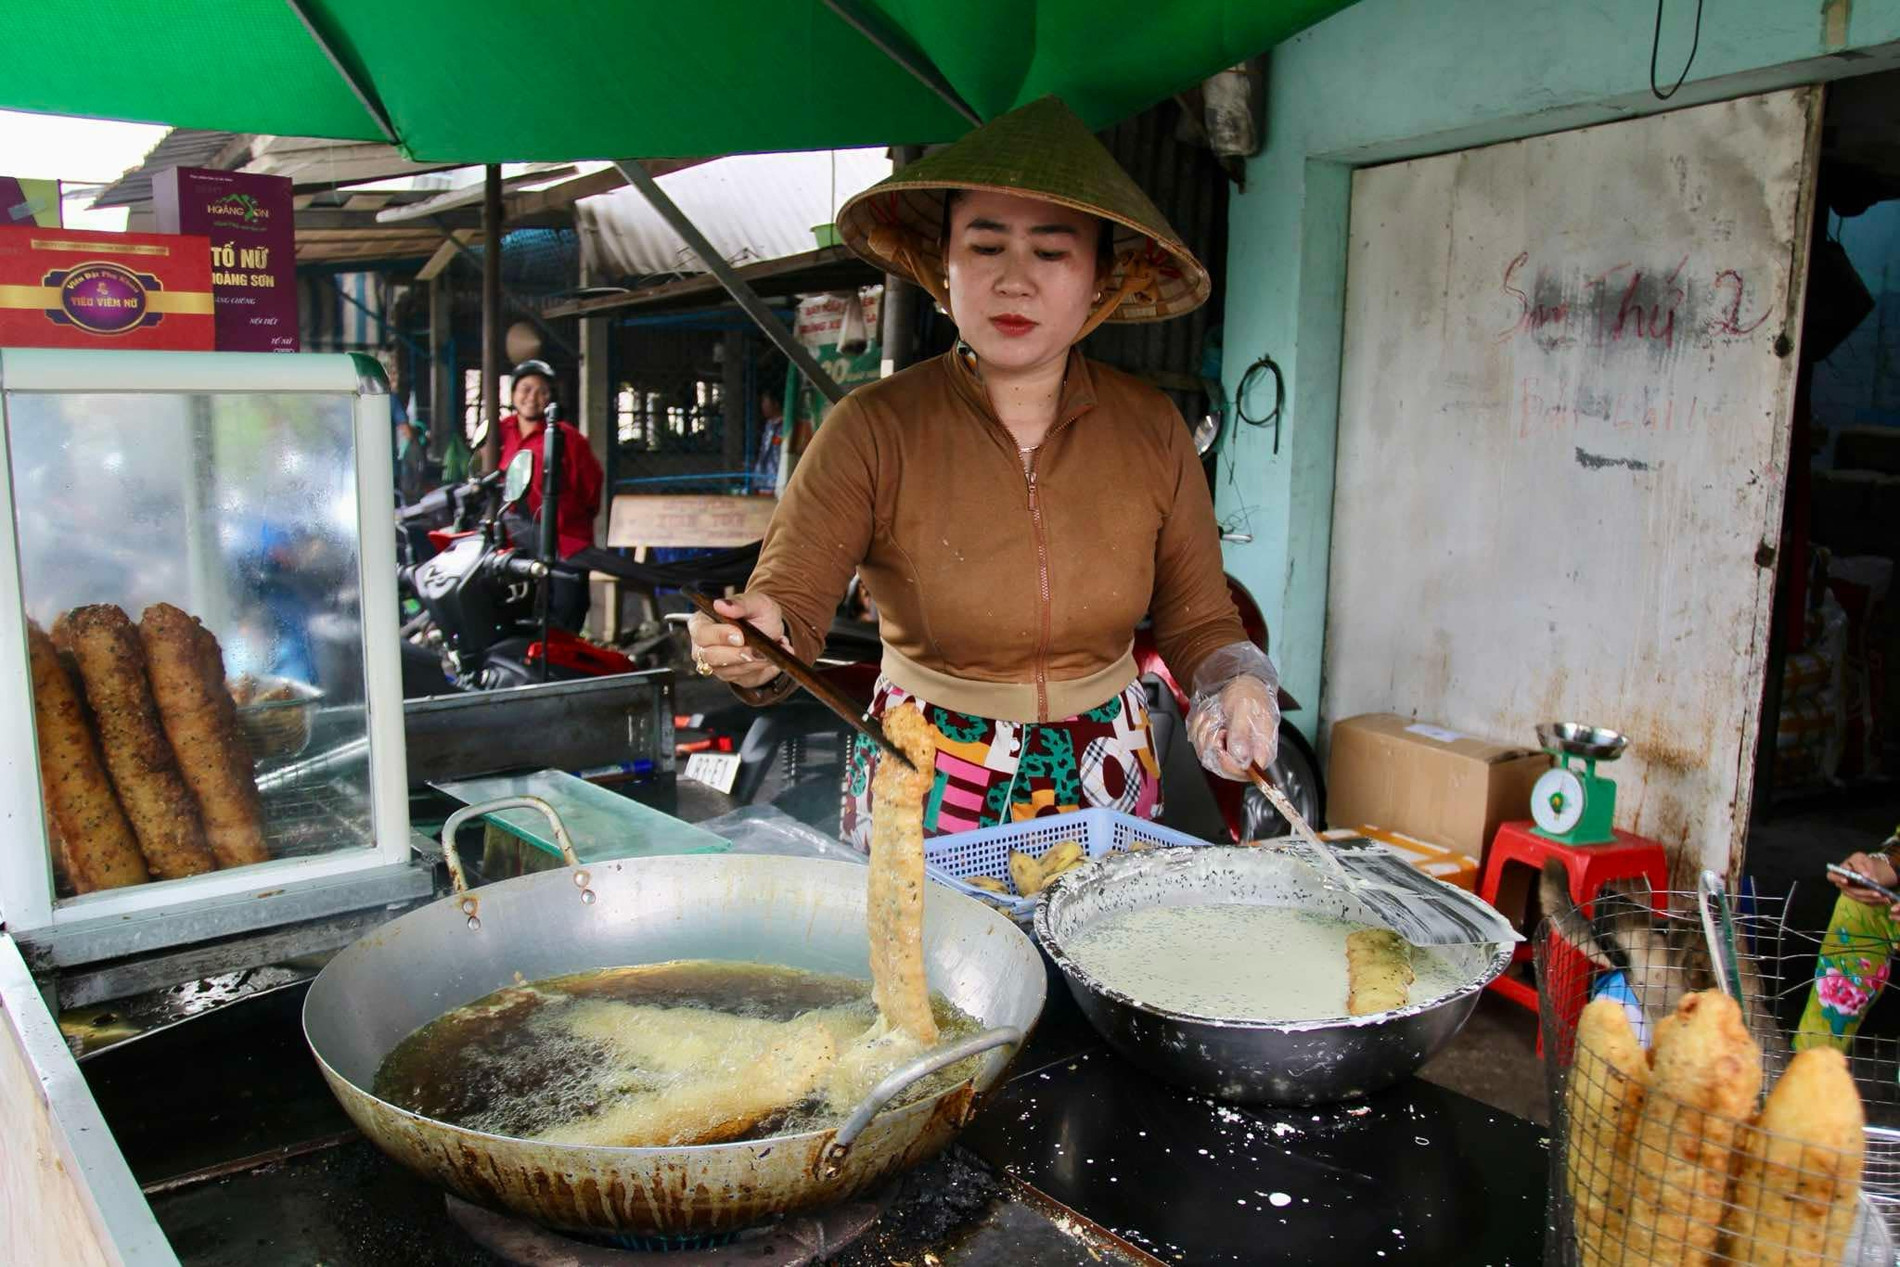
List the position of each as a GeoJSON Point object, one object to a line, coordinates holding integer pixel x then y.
{"type": "Point", "coordinates": [1039, 151]}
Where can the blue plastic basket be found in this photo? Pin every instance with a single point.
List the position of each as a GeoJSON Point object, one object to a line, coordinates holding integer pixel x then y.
{"type": "Point", "coordinates": [953, 859]}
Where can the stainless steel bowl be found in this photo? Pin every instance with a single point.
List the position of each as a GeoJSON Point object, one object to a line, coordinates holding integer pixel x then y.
{"type": "Point", "coordinates": [1580, 740]}
{"type": "Point", "coordinates": [1248, 1058]}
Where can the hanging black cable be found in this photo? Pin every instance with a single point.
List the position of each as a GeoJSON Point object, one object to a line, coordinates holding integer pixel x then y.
{"type": "Point", "coordinates": [1655, 48]}
{"type": "Point", "coordinates": [1268, 365]}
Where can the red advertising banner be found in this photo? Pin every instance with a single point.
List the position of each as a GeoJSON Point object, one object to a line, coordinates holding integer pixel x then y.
{"type": "Point", "coordinates": [250, 223]}
{"type": "Point", "coordinates": [74, 288]}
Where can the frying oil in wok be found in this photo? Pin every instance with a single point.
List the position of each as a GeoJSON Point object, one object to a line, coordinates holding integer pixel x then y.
{"type": "Point", "coordinates": [566, 1058]}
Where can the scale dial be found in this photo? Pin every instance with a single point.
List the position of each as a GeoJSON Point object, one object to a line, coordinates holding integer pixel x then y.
{"type": "Point", "coordinates": [1557, 801]}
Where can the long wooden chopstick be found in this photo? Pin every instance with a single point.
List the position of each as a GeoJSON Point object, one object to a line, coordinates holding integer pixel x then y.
{"type": "Point", "coordinates": [830, 696]}
{"type": "Point", "coordinates": [1294, 818]}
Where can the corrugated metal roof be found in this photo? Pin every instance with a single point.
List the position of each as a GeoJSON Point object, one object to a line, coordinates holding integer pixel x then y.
{"type": "Point", "coordinates": [1188, 186]}
{"type": "Point", "coordinates": [313, 161]}
{"type": "Point", "coordinates": [180, 147]}
{"type": "Point", "coordinates": [307, 161]}
{"type": "Point", "coordinates": [751, 207]}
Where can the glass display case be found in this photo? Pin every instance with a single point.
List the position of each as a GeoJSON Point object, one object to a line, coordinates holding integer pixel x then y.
{"type": "Point", "coordinates": [198, 617]}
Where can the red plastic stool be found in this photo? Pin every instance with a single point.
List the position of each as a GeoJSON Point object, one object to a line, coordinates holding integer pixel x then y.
{"type": "Point", "coordinates": [1590, 867]}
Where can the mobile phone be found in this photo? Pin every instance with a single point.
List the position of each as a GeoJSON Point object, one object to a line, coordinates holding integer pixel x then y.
{"type": "Point", "coordinates": [1858, 880]}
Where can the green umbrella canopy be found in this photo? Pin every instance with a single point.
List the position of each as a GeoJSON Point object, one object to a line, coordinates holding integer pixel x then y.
{"type": "Point", "coordinates": [466, 81]}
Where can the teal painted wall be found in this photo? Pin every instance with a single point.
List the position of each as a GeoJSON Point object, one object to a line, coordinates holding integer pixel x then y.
{"type": "Point", "coordinates": [1390, 79]}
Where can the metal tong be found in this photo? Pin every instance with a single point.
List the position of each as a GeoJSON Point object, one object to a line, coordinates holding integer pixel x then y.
{"type": "Point", "coordinates": [1421, 910]}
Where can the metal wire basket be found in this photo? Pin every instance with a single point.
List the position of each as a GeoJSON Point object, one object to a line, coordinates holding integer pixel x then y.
{"type": "Point", "coordinates": [1642, 1177]}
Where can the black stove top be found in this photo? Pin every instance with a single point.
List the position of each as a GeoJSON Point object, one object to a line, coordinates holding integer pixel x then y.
{"type": "Point", "coordinates": [1078, 1159]}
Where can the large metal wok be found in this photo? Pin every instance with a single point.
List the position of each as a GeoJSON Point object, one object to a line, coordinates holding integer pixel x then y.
{"type": "Point", "coordinates": [1248, 1058]}
{"type": "Point", "coordinates": [791, 911]}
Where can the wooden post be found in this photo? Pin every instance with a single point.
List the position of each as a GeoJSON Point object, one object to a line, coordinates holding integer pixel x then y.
{"type": "Point", "coordinates": [736, 286]}
{"type": "Point", "coordinates": [597, 423]}
{"type": "Point", "coordinates": [445, 418]}
{"type": "Point", "coordinates": [898, 335]}
{"type": "Point", "coordinates": [491, 320]}
{"type": "Point", "coordinates": [597, 401]}
{"type": "Point", "coordinates": [734, 401]}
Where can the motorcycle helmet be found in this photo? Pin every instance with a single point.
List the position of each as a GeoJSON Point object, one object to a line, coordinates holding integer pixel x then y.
{"type": "Point", "coordinates": [542, 368]}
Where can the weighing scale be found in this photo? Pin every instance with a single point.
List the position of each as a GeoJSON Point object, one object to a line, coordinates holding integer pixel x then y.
{"type": "Point", "coordinates": [1571, 802]}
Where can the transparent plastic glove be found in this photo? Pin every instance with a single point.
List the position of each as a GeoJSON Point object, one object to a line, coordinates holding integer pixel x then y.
{"type": "Point", "coordinates": [1235, 718]}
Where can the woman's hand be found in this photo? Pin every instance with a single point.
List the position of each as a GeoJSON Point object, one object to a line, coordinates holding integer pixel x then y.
{"type": "Point", "coordinates": [720, 651]}
{"type": "Point", "coordinates": [1237, 728]}
{"type": "Point", "coordinates": [1874, 867]}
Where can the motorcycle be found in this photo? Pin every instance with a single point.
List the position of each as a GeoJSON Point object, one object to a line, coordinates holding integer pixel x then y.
{"type": "Point", "coordinates": [483, 620]}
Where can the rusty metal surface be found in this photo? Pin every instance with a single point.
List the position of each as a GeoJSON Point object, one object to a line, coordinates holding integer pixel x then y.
{"type": "Point", "coordinates": [792, 1242]}
{"type": "Point", "coordinates": [1563, 421]}
{"type": "Point", "coordinates": [1102, 1244]}
{"type": "Point", "coordinates": [766, 909]}
{"type": "Point", "coordinates": [658, 1191]}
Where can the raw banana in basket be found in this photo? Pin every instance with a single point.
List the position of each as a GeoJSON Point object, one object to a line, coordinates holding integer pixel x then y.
{"type": "Point", "coordinates": [1025, 873]}
{"type": "Point", "coordinates": [1603, 1099]}
{"type": "Point", "coordinates": [1032, 875]}
{"type": "Point", "coordinates": [1799, 1184]}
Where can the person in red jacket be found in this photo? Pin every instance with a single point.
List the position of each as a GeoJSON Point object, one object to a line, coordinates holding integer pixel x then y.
{"type": "Point", "coordinates": [578, 502]}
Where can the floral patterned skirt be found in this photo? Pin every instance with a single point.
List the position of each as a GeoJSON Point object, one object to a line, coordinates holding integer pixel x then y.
{"type": "Point", "coordinates": [1849, 975]}
{"type": "Point", "coordinates": [992, 772]}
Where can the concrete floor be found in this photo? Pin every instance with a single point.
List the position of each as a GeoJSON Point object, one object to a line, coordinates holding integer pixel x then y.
{"type": "Point", "coordinates": [1494, 1060]}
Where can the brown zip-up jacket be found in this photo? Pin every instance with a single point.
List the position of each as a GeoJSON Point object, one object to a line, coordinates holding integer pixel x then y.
{"type": "Point", "coordinates": [1001, 591]}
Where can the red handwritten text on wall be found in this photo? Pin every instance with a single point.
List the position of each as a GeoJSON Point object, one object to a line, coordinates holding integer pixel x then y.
{"type": "Point", "coordinates": [1626, 304]}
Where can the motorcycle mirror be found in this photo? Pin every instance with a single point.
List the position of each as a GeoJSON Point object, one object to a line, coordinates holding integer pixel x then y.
{"type": "Point", "coordinates": [520, 474]}
{"type": "Point", "coordinates": [1207, 433]}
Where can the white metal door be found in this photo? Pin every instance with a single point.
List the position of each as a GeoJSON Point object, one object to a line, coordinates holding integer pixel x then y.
{"type": "Point", "coordinates": [1564, 414]}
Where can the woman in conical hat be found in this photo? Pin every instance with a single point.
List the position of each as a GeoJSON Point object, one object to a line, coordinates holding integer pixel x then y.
{"type": "Point", "coordinates": [1015, 510]}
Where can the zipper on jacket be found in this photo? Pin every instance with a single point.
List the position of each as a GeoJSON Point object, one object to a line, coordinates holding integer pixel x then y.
{"type": "Point", "coordinates": [1042, 589]}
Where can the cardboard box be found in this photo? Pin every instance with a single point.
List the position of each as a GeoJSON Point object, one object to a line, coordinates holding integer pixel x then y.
{"type": "Point", "coordinates": [76, 288]}
{"type": "Point", "coordinates": [1436, 785]}
{"type": "Point", "coordinates": [249, 222]}
{"type": "Point", "coordinates": [1440, 864]}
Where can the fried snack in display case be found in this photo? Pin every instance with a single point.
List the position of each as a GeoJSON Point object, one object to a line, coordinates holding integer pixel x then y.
{"type": "Point", "coordinates": [201, 596]}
